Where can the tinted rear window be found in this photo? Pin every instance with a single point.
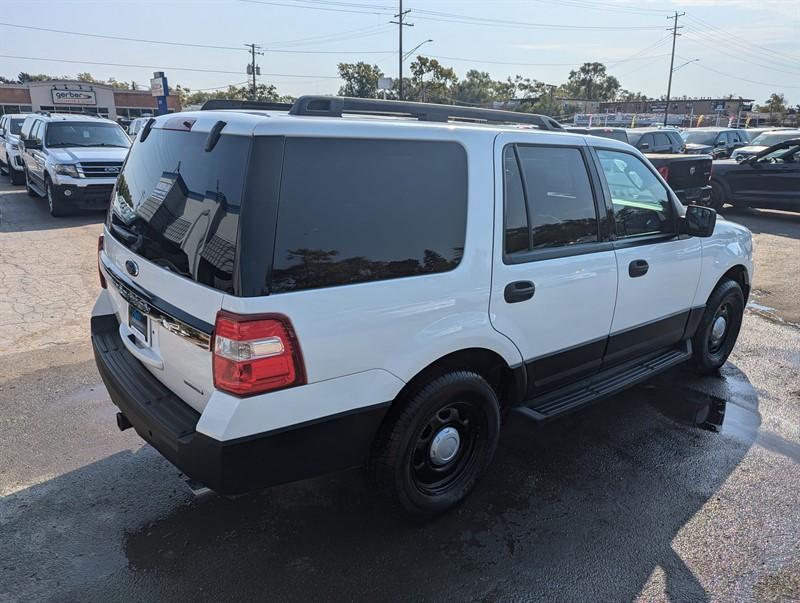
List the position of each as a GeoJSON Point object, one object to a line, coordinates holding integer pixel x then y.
{"type": "Point", "coordinates": [178, 206]}
{"type": "Point", "coordinates": [354, 211]}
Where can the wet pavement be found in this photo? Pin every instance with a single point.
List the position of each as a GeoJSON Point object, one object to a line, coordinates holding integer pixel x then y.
{"type": "Point", "coordinates": [635, 498]}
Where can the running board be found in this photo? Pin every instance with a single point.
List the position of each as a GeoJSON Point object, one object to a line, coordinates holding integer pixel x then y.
{"type": "Point", "coordinates": [602, 385]}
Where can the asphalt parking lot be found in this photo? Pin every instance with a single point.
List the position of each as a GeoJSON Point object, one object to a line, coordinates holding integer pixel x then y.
{"type": "Point", "coordinates": [628, 500]}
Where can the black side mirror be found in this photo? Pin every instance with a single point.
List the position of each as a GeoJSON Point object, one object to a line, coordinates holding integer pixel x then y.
{"type": "Point", "coordinates": [32, 145]}
{"type": "Point", "coordinates": [699, 221]}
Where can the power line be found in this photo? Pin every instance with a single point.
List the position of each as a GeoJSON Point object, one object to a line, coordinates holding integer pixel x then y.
{"type": "Point", "coordinates": [187, 44]}
{"type": "Point", "coordinates": [739, 77]}
{"type": "Point", "coordinates": [93, 35]}
{"type": "Point", "coordinates": [337, 10]}
{"type": "Point", "coordinates": [736, 52]}
{"type": "Point", "coordinates": [431, 15]}
{"type": "Point", "coordinates": [570, 64]}
{"type": "Point", "coordinates": [161, 67]}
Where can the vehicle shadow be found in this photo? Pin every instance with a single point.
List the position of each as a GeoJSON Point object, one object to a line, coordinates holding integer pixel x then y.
{"type": "Point", "coordinates": [21, 213]}
{"type": "Point", "coordinates": [764, 221]}
{"type": "Point", "coordinates": [585, 508]}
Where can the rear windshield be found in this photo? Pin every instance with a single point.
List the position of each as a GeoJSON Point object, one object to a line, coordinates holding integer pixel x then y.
{"type": "Point", "coordinates": [633, 137]}
{"type": "Point", "coordinates": [620, 135]}
{"type": "Point", "coordinates": [319, 212]}
{"type": "Point", "coordinates": [700, 137]}
{"type": "Point", "coordinates": [178, 205]}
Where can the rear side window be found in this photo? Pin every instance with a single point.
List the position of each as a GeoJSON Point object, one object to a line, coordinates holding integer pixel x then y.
{"type": "Point", "coordinates": [559, 197]}
{"type": "Point", "coordinates": [662, 140]}
{"type": "Point", "coordinates": [178, 206]}
{"type": "Point", "coordinates": [358, 210]}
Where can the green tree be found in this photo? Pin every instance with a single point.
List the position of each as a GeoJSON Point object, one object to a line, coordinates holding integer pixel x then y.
{"type": "Point", "coordinates": [360, 79]}
{"type": "Point", "coordinates": [430, 81]}
{"type": "Point", "coordinates": [775, 105]}
{"type": "Point", "coordinates": [591, 82]}
{"type": "Point", "coordinates": [478, 88]}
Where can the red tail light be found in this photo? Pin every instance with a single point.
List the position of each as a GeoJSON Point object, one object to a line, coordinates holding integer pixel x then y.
{"type": "Point", "coordinates": [255, 354]}
{"type": "Point", "coordinates": [664, 171]}
{"type": "Point", "coordinates": [101, 241]}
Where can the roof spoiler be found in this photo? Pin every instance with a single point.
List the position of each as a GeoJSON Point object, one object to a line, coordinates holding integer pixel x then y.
{"type": "Point", "coordinates": [224, 103]}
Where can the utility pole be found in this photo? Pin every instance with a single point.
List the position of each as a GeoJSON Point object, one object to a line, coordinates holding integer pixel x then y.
{"type": "Point", "coordinates": [675, 34]}
{"type": "Point", "coordinates": [400, 25]}
{"type": "Point", "coordinates": [252, 68]}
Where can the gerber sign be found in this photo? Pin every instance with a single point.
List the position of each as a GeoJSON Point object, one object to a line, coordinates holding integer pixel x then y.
{"type": "Point", "coordinates": [74, 97]}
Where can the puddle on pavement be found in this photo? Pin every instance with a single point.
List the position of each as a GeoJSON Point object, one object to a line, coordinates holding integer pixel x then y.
{"type": "Point", "coordinates": [713, 412]}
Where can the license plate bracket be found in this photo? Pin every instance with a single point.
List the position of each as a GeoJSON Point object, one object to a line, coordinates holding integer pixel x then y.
{"type": "Point", "coordinates": [138, 322]}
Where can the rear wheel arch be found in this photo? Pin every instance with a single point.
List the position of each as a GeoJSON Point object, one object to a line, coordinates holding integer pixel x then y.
{"type": "Point", "coordinates": [508, 383]}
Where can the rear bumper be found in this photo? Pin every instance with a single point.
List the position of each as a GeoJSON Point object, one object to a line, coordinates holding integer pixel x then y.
{"type": "Point", "coordinates": [229, 467]}
{"type": "Point", "coordinates": [92, 196]}
{"type": "Point", "coordinates": [700, 195]}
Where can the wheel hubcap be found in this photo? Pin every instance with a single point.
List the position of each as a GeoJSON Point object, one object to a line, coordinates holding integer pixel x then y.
{"type": "Point", "coordinates": [444, 446]}
{"type": "Point", "coordinates": [719, 330]}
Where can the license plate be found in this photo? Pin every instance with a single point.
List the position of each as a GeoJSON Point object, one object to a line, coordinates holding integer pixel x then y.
{"type": "Point", "coordinates": [138, 321]}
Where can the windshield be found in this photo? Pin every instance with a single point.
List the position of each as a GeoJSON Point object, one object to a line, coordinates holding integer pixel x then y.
{"type": "Point", "coordinates": [86, 134]}
{"type": "Point", "coordinates": [767, 139]}
{"type": "Point", "coordinates": [704, 137]}
{"type": "Point", "coordinates": [790, 154]}
{"type": "Point", "coordinates": [15, 127]}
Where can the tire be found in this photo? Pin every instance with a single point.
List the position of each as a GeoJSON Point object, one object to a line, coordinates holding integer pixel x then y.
{"type": "Point", "coordinates": [718, 196]}
{"type": "Point", "coordinates": [711, 347]}
{"type": "Point", "coordinates": [56, 205]}
{"type": "Point", "coordinates": [418, 461]}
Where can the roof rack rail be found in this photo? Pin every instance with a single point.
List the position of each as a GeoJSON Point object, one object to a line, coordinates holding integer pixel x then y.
{"type": "Point", "coordinates": [335, 106]}
{"type": "Point", "coordinates": [225, 103]}
{"type": "Point", "coordinates": [43, 113]}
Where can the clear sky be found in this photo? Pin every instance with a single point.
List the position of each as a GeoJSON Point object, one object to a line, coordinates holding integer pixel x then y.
{"type": "Point", "coordinates": [746, 47]}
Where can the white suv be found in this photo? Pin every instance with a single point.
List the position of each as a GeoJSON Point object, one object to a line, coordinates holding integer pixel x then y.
{"type": "Point", "coordinates": [360, 282]}
{"type": "Point", "coordinates": [72, 160]}
{"type": "Point", "coordinates": [10, 157]}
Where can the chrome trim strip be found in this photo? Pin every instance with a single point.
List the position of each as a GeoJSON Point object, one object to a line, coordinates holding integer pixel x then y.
{"type": "Point", "coordinates": [154, 310]}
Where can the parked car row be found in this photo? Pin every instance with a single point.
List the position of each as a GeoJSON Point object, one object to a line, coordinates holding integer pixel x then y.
{"type": "Point", "coordinates": [72, 160]}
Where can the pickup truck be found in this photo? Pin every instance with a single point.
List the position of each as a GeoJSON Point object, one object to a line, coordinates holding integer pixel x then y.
{"type": "Point", "coordinates": [688, 175]}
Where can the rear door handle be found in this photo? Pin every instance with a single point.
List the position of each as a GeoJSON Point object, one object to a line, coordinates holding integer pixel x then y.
{"type": "Point", "coordinates": [518, 291]}
{"type": "Point", "coordinates": [638, 268]}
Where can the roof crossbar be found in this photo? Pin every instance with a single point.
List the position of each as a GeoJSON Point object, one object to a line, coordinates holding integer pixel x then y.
{"type": "Point", "coordinates": [336, 106]}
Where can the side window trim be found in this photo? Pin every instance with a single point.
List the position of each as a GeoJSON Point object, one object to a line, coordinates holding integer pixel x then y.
{"type": "Point", "coordinates": [601, 213]}
{"type": "Point", "coordinates": [612, 225]}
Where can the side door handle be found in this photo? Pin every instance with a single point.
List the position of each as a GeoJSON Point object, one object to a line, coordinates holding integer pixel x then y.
{"type": "Point", "coordinates": [518, 291]}
{"type": "Point", "coordinates": [638, 268]}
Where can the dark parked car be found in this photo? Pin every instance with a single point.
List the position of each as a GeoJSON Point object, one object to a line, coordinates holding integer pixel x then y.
{"type": "Point", "coordinates": [656, 140]}
{"type": "Point", "coordinates": [770, 180]}
{"type": "Point", "coordinates": [717, 142]}
{"type": "Point", "coordinates": [615, 133]}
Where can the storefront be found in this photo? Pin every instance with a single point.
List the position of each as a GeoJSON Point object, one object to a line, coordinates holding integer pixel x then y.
{"type": "Point", "coordinates": [79, 97]}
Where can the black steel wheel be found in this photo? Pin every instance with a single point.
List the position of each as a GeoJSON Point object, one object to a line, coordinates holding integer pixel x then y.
{"type": "Point", "coordinates": [432, 449]}
{"type": "Point", "coordinates": [719, 328]}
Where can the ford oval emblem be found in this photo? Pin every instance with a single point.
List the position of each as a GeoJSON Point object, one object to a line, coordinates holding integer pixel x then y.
{"type": "Point", "coordinates": [132, 267]}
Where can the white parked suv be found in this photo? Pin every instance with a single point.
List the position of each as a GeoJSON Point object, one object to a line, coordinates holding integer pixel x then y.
{"type": "Point", "coordinates": [72, 160]}
{"type": "Point", "coordinates": [356, 282]}
{"type": "Point", "coordinates": [10, 157]}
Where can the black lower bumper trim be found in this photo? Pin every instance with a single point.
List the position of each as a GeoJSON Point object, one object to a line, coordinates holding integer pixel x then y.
{"type": "Point", "coordinates": [92, 196]}
{"type": "Point", "coordinates": [229, 467]}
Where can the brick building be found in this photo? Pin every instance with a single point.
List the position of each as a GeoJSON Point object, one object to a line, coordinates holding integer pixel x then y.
{"type": "Point", "coordinates": [67, 96]}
